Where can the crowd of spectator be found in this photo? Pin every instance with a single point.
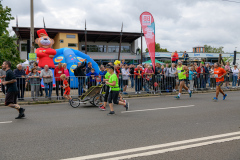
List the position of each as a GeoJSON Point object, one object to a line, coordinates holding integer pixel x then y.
{"type": "Point", "coordinates": [138, 77]}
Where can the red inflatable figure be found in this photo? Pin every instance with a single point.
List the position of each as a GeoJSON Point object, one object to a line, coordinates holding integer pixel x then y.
{"type": "Point", "coordinates": [45, 53]}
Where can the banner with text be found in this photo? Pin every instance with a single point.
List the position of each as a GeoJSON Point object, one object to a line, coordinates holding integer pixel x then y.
{"type": "Point", "coordinates": [148, 27]}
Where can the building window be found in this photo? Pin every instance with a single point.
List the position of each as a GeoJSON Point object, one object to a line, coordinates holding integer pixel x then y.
{"type": "Point", "coordinates": [61, 41]}
{"type": "Point", "coordinates": [71, 36]}
{"type": "Point", "coordinates": [23, 47]}
{"type": "Point", "coordinates": [72, 45]}
{"type": "Point", "coordinates": [125, 49]}
{"type": "Point", "coordinates": [113, 49]}
{"type": "Point", "coordinates": [95, 48]}
{"type": "Point", "coordinates": [201, 50]}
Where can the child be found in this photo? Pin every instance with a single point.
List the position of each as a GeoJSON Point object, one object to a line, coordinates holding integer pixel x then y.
{"type": "Point", "coordinates": [66, 87]}
{"type": "Point", "coordinates": [191, 77]}
{"type": "Point", "coordinates": [92, 75]}
{"type": "Point", "coordinates": [102, 72]}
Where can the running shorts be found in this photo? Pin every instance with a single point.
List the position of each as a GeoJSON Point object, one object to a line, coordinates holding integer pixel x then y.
{"type": "Point", "coordinates": [220, 83]}
{"type": "Point", "coordinates": [11, 98]}
{"type": "Point", "coordinates": [106, 94]}
{"type": "Point", "coordinates": [67, 92]}
{"type": "Point", "coordinates": [180, 80]}
{"type": "Point", "coordinates": [113, 97]}
{"type": "Point", "coordinates": [125, 82]}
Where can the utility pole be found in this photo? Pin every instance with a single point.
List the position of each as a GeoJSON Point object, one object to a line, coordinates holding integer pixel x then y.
{"type": "Point", "coordinates": [85, 37]}
{"type": "Point", "coordinates": [32, 28]}
{"type": "Point", "coordinates": [120, 44]}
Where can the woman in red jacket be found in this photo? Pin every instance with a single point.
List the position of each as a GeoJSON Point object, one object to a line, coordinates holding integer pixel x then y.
{"type": "Point", "coordinates": [201, 76]}
{"type": "Point", "coordinates": [174, 57]}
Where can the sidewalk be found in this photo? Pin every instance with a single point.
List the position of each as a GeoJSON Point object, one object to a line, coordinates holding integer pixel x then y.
{"type": "Point", "coordinates": [130, 95]}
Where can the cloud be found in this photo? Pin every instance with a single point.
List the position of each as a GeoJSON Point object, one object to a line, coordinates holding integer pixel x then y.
{"type": "Point", "coordinates": [180, 24]}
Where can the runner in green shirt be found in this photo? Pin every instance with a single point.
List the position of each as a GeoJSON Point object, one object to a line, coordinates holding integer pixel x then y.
{"type": "Point", "coordinates": [114, 91]}
{"type": "Point", "coordinates": [106, 78]}
{"type": "Point", "coordinates": [181, 72]}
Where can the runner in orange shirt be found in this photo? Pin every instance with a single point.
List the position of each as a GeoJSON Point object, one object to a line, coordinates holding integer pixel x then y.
{"type": "Point", "coordinates": [219, 74]}
{"type": "Point", "coordinates": [66, 87]}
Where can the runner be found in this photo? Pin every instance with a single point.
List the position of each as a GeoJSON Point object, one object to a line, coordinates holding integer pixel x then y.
{"type": "Point", "coordinates": [106, 78]}
{"type": "Point", "coordinates": [12, 91]}
{"type": "Point", "coordinates": [182, 71]}
{"type": "Point", "coordinates": [114, 91]}
{"type": "Point", "coordinates": [219, 74]}
{"type": "Point", "coordinates": [66, 87]}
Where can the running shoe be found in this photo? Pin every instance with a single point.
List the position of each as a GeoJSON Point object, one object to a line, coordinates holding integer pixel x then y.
{"type": "Point", "coordinates": [21, 113]}
{"type": "Point", "coordinates": [102, 108]}
{"type": "Point", "coordinates": [177, 97]}
{"type": "Point", "coordinates": [224, 97]}
{"type": "Point", "coordinates": [190, 94]}
{"type": "Point", "coordinates": [111, 113]}
{"type": "Point", "coordinates": [127, 106]}
{"type": "Point", "coordinates": [215, 99]}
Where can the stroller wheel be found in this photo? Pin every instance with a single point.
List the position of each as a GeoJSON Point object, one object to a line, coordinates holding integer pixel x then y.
{"type": "Point", "coordinates": [75, 102]}
{"type": "Point", "coordinates": [98, 100]}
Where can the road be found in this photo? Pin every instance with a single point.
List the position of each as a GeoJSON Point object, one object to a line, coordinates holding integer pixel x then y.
{"type": "Point", "coordinates": [160, 128]}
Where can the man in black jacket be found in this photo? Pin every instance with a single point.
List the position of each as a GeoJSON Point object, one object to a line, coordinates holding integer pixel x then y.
{"type": "Point", "coordinates": [20, 75]}
{"type": "Point", "coordinates": [131, 71]}
{"type": "Point", "coordinates": [207, 76]}
{"type": "Point", "coordinates": [79, 72]}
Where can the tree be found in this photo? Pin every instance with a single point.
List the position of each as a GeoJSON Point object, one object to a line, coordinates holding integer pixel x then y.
{"type": "Point", "coordinates": [158, 48]}
{"type": "Point", "coordinates": [8, 46]}
{"type": "Point", "coordinates": [210, 49]}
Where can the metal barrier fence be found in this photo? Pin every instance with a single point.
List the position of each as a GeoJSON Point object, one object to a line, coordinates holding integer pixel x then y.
{"type": "Point", "coordinates": [31, 89]}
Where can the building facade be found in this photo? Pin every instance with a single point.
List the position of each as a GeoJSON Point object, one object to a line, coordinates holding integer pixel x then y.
{"type": "Point", "coordinates": [102, 46]}
{"type": "Point", "coordinates": [198, 49]}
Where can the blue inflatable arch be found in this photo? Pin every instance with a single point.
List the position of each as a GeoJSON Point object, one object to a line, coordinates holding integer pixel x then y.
{"type": "Point", "coordinates": [71, 57]}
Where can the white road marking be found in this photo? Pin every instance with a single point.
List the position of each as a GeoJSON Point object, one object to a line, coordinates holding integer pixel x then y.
{"type": "Point", "coordinates": [6, 122]}
{"type": "Point", "coordinates": [175, 148]}
{"type": "Point", "coordinates": [154, 109]}
{"type": "Point", "coordinates": [114, 153]}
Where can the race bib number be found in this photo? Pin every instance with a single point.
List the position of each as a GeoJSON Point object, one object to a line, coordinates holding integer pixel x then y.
{"type": "Point", "coordinates": [215, 75]}
{"type": "Point", "coordinates": [179, 71]}
{"type": "Point", "coordinates": [59, 71]}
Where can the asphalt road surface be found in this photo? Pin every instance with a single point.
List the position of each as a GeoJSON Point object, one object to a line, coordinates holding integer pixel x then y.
{"type": "Point", "coordinates": [160, 128]}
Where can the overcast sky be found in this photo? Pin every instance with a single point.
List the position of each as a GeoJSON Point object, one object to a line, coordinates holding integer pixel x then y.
{"type": "Point", "coordinates": [180, 24]}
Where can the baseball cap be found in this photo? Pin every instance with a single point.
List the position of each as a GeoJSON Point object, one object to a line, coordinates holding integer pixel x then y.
{"type": "Point", "coordinates": [111, 67]}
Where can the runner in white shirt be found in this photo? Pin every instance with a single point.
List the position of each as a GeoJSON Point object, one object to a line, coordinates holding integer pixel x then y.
{"type": "Point", "coordinates": [125, 75]}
